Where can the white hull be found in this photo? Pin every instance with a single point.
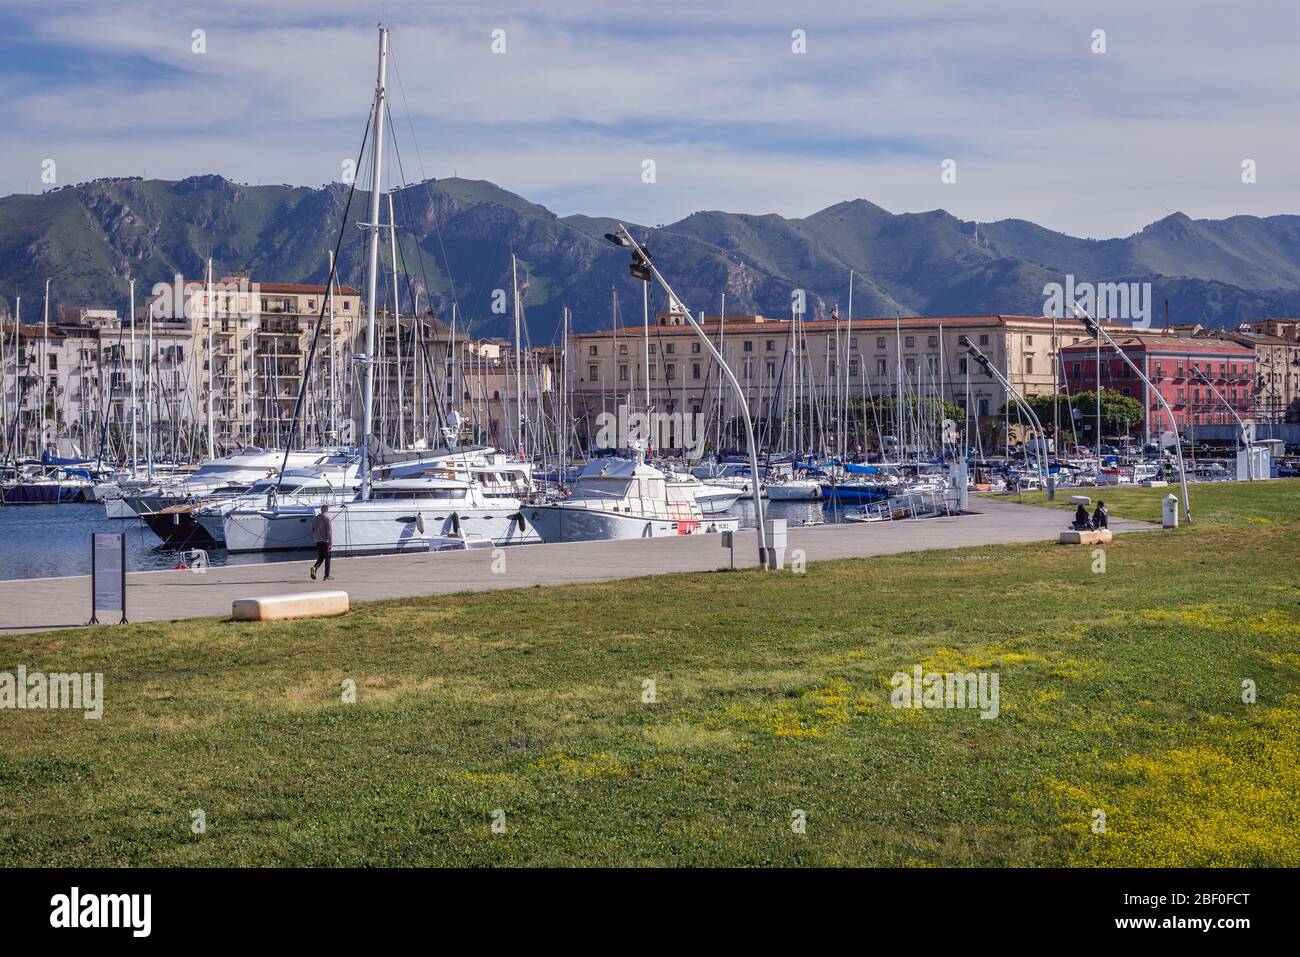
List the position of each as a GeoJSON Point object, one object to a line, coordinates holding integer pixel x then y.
{"type": "Point", "coordinates": [714, 499]}
{"type": "Point", "coordinates": [118, 508]}
{"type": "Point", "coordinates": [373, 527]}
{"type": "Point", "coordinates": [567, 523]}
{"type": "Point", "coordinates": [794, 492]}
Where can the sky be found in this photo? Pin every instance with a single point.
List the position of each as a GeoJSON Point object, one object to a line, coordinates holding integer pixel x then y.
{"type": "Point", "coordinates": [1037, 122]}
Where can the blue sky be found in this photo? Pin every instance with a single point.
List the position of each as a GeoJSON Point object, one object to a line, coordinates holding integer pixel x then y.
{"type": "Point", "coordinates": [1040, 126]}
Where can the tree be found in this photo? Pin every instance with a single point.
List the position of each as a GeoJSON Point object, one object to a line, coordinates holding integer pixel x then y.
{"type": "Point", "coordinates": [1120, 414]}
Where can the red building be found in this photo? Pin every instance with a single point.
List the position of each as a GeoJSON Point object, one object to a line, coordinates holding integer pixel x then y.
{"type": "Point", "coordinates": [1171, 364]}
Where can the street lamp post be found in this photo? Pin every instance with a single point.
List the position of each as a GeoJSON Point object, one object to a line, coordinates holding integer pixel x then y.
{"type": "Point", "coordinates": [1240, 424]}
{"type": "Point", "coordinates": [974, 352]}
{"type": "Point", "coordinates": [642, 268]}
{"type": "Point", "coordinates": [1097, 332]}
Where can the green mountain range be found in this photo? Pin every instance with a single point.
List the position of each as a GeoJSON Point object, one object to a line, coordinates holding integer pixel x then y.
{"type": "Point", "coordinates": [456, 236]}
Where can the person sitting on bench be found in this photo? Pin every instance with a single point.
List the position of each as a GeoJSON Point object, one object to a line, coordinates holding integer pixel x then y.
{"type": "Point", "coordinates": [1081, 520]}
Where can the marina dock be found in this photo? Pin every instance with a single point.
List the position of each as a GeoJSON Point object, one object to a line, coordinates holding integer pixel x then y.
{"type": "Point", "coordinates": [36, 605]}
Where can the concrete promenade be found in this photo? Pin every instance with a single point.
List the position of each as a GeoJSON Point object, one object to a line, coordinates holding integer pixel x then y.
{"type": "Point", "coordinates": [164, 595]}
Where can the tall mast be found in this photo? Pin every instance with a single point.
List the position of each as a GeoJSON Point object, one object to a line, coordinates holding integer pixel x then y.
{"type": "Point", "coordinates": [397, 327]}
{"type": "Point", "coordinates": [149, 385]}
{"type": "Point", "coordinates": [519, 381]}
{"type": "Point", "coordinates": [645, 316]}
{"type": "Point", "coordinates": [212, 331]}
{"type": "Point", "coordinates": [334, 405]}
{"type": "Point", "coordinates": [368, 407]}
{"type": "Point", "coordinates": [135, 458]}
{"type": "Point", "coordinates": [45, 365]}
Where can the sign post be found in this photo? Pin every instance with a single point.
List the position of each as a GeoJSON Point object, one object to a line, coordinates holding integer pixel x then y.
{"type": "Point", "coordinates": [107, 574]}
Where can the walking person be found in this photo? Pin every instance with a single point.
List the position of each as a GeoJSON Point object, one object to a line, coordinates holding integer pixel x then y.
{"type": "Point", "coordinates": [322, 532]}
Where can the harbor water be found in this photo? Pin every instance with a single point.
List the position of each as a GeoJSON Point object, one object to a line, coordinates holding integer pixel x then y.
{"type": "Point", "coordinates": [51, 541]}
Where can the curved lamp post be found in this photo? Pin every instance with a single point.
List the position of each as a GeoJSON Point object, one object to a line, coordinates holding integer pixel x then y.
{"type": "Point", "coordinates": [642, 268]}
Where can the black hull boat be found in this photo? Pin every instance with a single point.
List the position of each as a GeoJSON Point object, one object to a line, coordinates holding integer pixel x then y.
{"type": "Point", "coordinates": [178, 528]}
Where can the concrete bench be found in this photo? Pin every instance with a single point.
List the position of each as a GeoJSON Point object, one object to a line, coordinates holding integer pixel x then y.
{"type": "Point", "coordinates": [1074, 537]}
{"type": "Point", "coordinates": [312, 604]}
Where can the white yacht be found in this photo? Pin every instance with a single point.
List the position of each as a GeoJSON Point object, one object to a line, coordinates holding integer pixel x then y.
{"type": "Point", "coordinates": [299, 487]}
{"type": "Point", "coordinates": [459, 496]}
{"type": "Point", "coordinates": [228, 474]}
{"type": "Point", "coordinates": [620, 498]}
{"type": "Point", "coordinates": [794, 490]}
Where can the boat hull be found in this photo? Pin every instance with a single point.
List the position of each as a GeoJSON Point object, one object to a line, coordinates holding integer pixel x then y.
{"type": "Point", "coordinates": [374, 529]}
{"type": "Point", "coordinates": [562, 523]}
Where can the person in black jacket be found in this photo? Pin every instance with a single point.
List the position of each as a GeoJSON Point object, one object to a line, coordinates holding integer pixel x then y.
{"type": "Point", "coordinates": [1100, 517]}
{"type": "Point", "coordinates": [1081, 517]}
{"type": "Point", "coordinates": [323, 533]}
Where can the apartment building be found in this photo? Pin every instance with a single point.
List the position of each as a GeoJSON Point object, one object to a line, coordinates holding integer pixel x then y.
{"type": "Point", "coordinates": [868, 356]}
{"type": "Point", "coordinates": [248, 343]}
{"type": "Point", "coordinates": [1174, 364]}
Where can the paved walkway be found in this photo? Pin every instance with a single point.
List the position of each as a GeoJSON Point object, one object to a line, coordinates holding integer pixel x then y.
{"type": "Point", "coordinates": [165, 595]}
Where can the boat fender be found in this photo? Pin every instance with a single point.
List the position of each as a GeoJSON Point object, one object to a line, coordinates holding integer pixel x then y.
{"type": "Point", "coordinates": [419, 522]}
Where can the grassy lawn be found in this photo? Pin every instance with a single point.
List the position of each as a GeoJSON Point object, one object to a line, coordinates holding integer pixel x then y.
{"type": "Point", "coordinates": [1215, 503]}
{"type": "Point", "coordinates": [1121, 691]}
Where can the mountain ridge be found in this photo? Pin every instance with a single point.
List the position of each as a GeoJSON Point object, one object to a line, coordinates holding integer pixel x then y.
{"type": "Point", "coordinates": [90, 238]}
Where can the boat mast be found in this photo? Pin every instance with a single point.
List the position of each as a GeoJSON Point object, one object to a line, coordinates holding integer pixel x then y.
{"type": "Point", "coordinates": [397, 327]}
{"type": "Point", "coordinates": [334, 405]}
{"type": "Point", "coordinates": [45, 367]}
{"type": "Point", "coordinates": [848, 360]}
{"type": "Point", "coordinates": [519, 380]}
{"type": "Point", "coordinates": [212, 454]}
{"type": "Point", "coordinates": [135, 458]}
{"type": "Point", "coordinates": [149, 385]}
{"type": "Point", "coordinates": [368, 407]}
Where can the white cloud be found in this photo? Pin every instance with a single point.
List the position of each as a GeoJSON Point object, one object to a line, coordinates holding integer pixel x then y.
{"type": "Point", "coordinates": [1041, 129]}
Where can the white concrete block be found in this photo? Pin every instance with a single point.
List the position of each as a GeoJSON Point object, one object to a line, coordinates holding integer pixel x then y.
{"type": "Point", "coordinates": [312, 604]}
{"type": "Point", "coordinates": [1098, 537]}
{"type": "Point", "coordinates": [1080, 500]}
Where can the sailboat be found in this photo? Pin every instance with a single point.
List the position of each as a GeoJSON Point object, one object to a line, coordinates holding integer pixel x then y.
{"type": "Point", "coordinates": [624, 498]}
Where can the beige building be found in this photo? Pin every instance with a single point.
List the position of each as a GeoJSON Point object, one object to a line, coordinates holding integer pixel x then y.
{"type": "Point", "coordinates": [867, 356]}
{"type": "Point", "coordinates": [1277, 362]}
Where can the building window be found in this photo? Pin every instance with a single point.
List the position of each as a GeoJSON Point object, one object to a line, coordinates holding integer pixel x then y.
{"type": "Point", "coordinates": [670, 348]}
{"type": "Point", "coordinates": [695, 348]}
{"type": "Point", "coordinates": [592, 350]}
{"type": "Point", "coordinates": [984, 407]}
{"type": "Point", "coordinates": [622, 372]}
{"type": "Point", "coordinates": [910, 365]}
{"type": "Point", "coordinates": [880, 342]}
{"type": "Point", "coordinates": [771, 368]}
{"type": "Point", "coordinates": [910, 341]}
{"type": "Point", "coordinates": [1076, 370]}
{"type": "Point", "coordinates": [880, 367]}
{"type": "Point", "coordinates": [1029, 364]}
{"type": "Point", "coordinates": [961, 366]}
{"type": "Point", "coordinates": [749, 346]}
{"type": "Point", "coordinates": [853, 367]}
{"type": "Point", "coordinates": [771, 345]}
{"type": "Point", "coordinates": [934, 341]}
{"type": "Point", "coordinates": [695, 370]}
{"type": "Point", "coordinates": [670, 371]}
{"type": "Point", "coordinates": [1029, 340]}
{"type": "Point", "coordinates": [984, 339]}
{"type": "Point", "coordinates": [622, 350]}
{"type": "Point", "coordinates": [593, 373]}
